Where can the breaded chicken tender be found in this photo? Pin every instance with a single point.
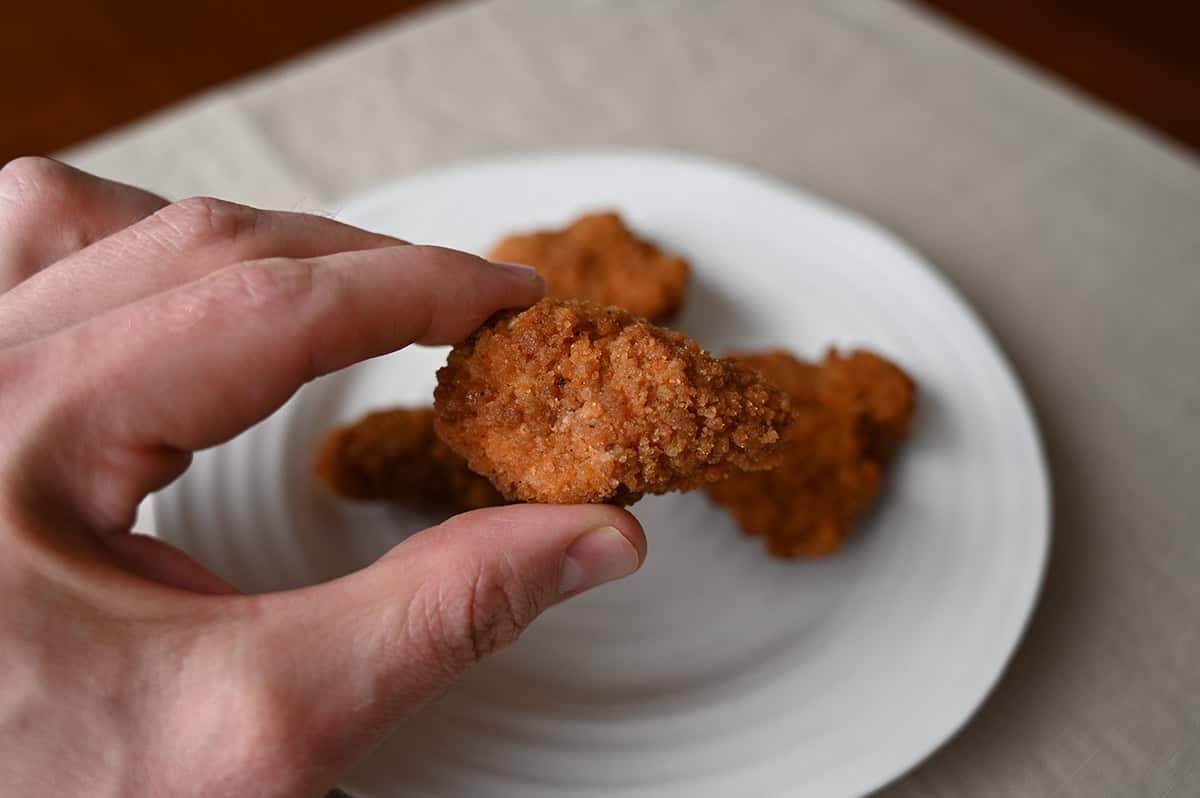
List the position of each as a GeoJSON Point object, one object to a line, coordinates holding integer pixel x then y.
{"type": "Point", "coordinates": [851, 413]}
{"type": "Point", "coordinates": [597, 258]}
{"type": "Point", "coordinates": [395, 455]}
{"type": "Point", "coordinates": [571, 402]}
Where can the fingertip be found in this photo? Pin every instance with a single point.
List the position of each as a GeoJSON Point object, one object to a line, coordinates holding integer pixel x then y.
{"type": "Point", "coordinates": [628, 525]}
{"type": "Point", "coordinates": [596, 557]}
{"type": "Point", "coordinates": [527, 276]}
{"type": "Point", "coordinates": [557, 524]}
{"type": "Point", "coordinates": [466, 290]}
{"type": "Point", "coordinates": [567, 549]}
{"type": "Point", "coordinates": [517, 285]}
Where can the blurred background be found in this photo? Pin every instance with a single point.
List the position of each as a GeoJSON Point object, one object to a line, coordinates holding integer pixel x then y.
{"type": "Point", "coordinates": [72, 69]}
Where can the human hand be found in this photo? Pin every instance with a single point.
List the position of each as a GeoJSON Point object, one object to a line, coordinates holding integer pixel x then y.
{"type": "Point", "coordinates": [133, 332]}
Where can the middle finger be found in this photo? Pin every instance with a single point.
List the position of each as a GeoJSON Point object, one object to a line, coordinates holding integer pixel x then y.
{"type": "Point", "coordinates": [176, 245]}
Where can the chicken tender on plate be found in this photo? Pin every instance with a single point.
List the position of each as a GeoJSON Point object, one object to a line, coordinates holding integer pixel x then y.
{"type": "Point", "coordinates": [599, 259]}
{"type": "Point", "coordinates": [851, 414]}
{"type": "Point", "coordinates": [395, 455]}
{"type": "Point", "coordinates": [571, 402]}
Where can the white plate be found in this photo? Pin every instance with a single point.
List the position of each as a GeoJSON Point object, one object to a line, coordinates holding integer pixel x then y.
{"type": "Point", "coordinates": [715, 671]}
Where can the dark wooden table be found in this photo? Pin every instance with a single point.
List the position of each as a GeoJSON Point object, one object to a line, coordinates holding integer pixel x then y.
{"type": "Point", "coordinates": [71, 69]}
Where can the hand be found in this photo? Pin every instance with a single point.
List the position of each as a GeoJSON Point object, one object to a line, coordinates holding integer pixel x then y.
{"type": "Point", "coordinates": [134, 332]}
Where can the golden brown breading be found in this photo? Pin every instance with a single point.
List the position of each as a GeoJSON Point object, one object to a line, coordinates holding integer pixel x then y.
{"type": "Point", "coordinates": [573, 402]}
{"type": "Point", "coordinates": [597, 258]}
{"type": "Point", "coordinates": [850, 415]}
{"type": "Point", "coordinates": [395, 455]}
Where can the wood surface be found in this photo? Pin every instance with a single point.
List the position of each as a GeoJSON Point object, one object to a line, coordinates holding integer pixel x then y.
{"type": "Point", "coordinates": [71, 69]}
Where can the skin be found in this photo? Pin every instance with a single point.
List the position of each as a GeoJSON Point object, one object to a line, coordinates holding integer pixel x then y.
{"type": "Point", "coordinates": [127, 326]}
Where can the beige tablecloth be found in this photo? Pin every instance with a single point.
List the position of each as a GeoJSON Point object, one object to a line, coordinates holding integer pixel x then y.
{"type": "Point", "coordinates": [1076, 234]}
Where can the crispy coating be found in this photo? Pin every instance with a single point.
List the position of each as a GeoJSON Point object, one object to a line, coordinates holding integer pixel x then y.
{"type": "Point", "coordinates": [395, 455]}
{"type": "Point", "coordinates": [570, 402]}
{"type": "Point", "coordinates": [597, 258]}
{"type": "Point", "coordinates": [851, 413]}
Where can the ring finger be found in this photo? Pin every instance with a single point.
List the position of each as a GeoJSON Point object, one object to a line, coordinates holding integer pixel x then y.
{"type": "Point", "coordinates": [49, 210]}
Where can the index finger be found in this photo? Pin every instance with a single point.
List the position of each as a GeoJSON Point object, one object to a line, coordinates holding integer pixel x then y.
{"type": "Point", "coordinates": [194, 366]}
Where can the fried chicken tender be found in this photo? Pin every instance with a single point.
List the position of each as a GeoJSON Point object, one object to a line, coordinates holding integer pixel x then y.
{"type": "Point", "coordinates": [851, 414]}
{"type": "Point", "coordinates": [395, 455]}
{"type": "Point", "coordinates": [597, 258]}
{"type": "Point", "coordinates": [571, 402]}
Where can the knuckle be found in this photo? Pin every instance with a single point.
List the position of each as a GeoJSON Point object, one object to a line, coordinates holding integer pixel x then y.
{"type": "Point", "coordinates": [30, 176]}
{"type": "Point", "coordinates": [200, 221]}
{"type": "Point", "coordinates": [481, 611]}
{"type": "Point", "coordinates": [276, 288]}
{"type": "Point", "coordinates": [21, 173]}
{"type": "Point", "coordinates": [263, 285]}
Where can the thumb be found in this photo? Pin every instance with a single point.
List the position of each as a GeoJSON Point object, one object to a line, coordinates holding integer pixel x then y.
{"type": "Point", "coordinates": [356, 655]}
{"type": "Point", "coordinates": [477, 581]}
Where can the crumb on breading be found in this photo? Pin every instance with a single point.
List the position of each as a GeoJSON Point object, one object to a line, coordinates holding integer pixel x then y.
{"type": "Point", "coordinates": [598, 258]}
{"type": "Point", "coordinates": [572, 402]}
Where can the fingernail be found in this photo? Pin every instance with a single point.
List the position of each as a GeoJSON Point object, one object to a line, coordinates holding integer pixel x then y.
{"type": "Point", "coordinates": [520, 270]}
{"type": "Point", "coordinates": [596, 557]}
